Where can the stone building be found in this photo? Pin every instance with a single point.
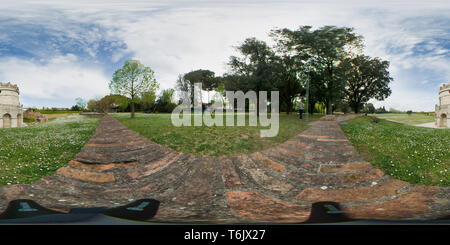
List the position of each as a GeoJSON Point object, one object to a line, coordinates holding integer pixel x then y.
{"type": "Point", "coordinates": [11, 113]}
{"type": "Point", "coordinates": [442, 110]}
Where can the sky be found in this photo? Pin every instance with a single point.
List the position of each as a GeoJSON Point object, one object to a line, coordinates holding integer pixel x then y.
{"type": "Point", "coordinates": [57, 51]}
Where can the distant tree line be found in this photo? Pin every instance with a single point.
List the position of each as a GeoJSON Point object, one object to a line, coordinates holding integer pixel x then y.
{"type": "Point", "coordinates": [330, 58]}
{"type": "Point", "coordinates": [146, 102]}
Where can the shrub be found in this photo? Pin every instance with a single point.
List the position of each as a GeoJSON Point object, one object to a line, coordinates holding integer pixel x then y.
{"type": "Point", "coordinates": [382, 110]}
{"type": "Point", "coordinates": [392, 110]}
{"type": "Point", "coordinates": [375, 119]}
{"type": "Point", "coordinates": [369, 108]}
{"type": "Point", "coordinates": [29, 119]}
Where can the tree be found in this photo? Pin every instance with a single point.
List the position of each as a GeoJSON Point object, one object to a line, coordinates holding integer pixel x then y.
{"type": "Point", "coordinates": [184, 85]}
{"type": "Point", "coordinates": [106, 103]}
{"type": "Point", "coordinates": [366, 78]}
{"type": "Point", "coordinates": [75, 108]}
{"type": "Point", "coordinates": [289, 72]}
{"type": "Point", "coordinates": [165, 101]}
{"type": "Point", "coordinates": [148, 100]}
{"type": "Point", "coordinates": [320, 51]}
{"type": "Point", "coordinates": [121, 101]}
{"type": "Point", "coordinates": [382, 110]}
{"type": "Point", "coordinates": [369, 108]}
{"type": "Point", "coordinates": [205, 77]}
{"type": "Point", "coordinates": [254, 67]}
{"type": "Point", "coordinates": [81, 103]}
{"type": "Point", "coordinates": [286, 80]}
{"type": "Point", "coordinates": [132, 80]}
{"type": "Point", "coordinates": [92, 105]}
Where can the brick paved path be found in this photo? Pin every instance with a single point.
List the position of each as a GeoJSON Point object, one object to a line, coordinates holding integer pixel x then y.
{"type": "Point", "coordinates": [118, 165]}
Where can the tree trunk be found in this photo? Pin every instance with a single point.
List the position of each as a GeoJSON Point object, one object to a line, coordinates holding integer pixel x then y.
{"type": "Point", "coordinates": [356, 106]}
{"type": "Point", "coordinates": [329, 108]}
{"type": "Point", "coordinates": [311, 106]}
{"type": "Point", "coordinates": [288, 107]}
{"type": "Point", "coordinates": [132, 109]}
{"type": "Point", "coordinates": [257, 104]}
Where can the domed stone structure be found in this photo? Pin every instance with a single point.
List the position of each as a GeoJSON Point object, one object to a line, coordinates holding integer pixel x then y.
{"type": "Point", "coordinates": [442, 111]}
{"type": "Point", "coordinates": [11, 113]}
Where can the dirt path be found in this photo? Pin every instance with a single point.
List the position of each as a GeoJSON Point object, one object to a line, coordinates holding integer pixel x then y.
{"type": "Point", "coordinates": [118, 165]}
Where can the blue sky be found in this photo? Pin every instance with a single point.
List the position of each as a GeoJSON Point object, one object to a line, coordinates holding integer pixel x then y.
{"type": "Point", "coordinates": [58, 51]}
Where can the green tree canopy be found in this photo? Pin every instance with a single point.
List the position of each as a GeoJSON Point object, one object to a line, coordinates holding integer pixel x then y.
{"type": "Point", "coordinates": [366, 78]}
{"type": "Point", "coordinates": [148, 100]}
{"type": "Point", "coordinates": [205, 77]}
{"type": "Point", "coordinates": [81, 103]}
{"type": "Point", "coordinates": [132, 80]}
{"type": "Point", "coordinates": [320, 52]}
{"type": "Point", "coordinates": [254, 69]}
{"type": "Point", "coordinates": [255, 64]}
{"type": "Point", "coordinates": [165, 101]}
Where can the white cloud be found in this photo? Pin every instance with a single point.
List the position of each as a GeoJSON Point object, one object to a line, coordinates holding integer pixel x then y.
{"type": "Point", "coordinates": [178, 36]}
{"type": "Point", "coordinates": [60, 81]}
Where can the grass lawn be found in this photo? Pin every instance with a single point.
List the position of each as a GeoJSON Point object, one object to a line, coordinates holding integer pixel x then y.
{"type": "Point", "coordinates": [414, 118]}
{"type": "Point", "coordinates": [30, 153]}
{"type": "Point", "coordinates": [211, 141]}
{"type": "Point", "coordinates": [413, 154]}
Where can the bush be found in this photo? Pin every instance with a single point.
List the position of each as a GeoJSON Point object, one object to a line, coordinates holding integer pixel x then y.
{"type": "Point", "coordinates": [75, 108]}
{"type": "Point", "coordinates": [29, 119]}
{"type": "Point", "coordinates": [369, 108]}
{"type": "Point", "coordinates": [382, 110]}
{"type": "Point", "coordinates": [163, 106]}
{"type": "Point", "coordinates": [165, 101]}
{"type": "Point", "coordinates": [409, 112]}
{"type": "Point", "coordinates": [392, 110]}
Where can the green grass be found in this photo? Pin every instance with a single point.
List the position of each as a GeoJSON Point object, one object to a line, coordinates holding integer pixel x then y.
{"type": "Point", "coordinates": [30, 153]}
{"type": "Point", "coordinates": [414, 118]}
{"type": "Point", "coordinates": [211, 141]}
{"type": "Point", "coordinates": [413, 154]}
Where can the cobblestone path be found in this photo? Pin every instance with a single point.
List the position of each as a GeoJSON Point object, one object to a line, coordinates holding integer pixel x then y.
{"type": "Point", "coordinates": [280, 184]}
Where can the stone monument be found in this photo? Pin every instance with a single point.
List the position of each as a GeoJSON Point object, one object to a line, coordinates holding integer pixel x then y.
{"type": "Point", "coordinates": [11, 113]}
{"type": "Point", "coordinates": [442, 111]}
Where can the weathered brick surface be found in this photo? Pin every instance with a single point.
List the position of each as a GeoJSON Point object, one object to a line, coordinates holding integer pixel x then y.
{"type": "Point", "coordinates": [265, 181]}
{"type": "Point", "coordinates": [268, 163]}
{"type": "Point", "coordinates": [412, 204]}
{"type": "Point", "coordinates": [105, 166]}
{"type": "Point", "coordinates": [200, 189]}
{"type": "Point", "coordinates": [337, 180]}
{"type": "Point", "coordinates": [345, 167]}
{"type": "Point", "coordinates": [86, 175]}
{"type": "Point", "coordinates": [296, 154]}
{"type": "Point", "coordinates": [257, 206]}
{"type": "Point", "coordinates": [12, 192]}
{"type": "Point", "coordinates": [361, 194]}
{"type": "Point", "coordinates": [117, 165]}
{"type": "Point", "coordinates": [163, 183]}
{"type": "Point", "coordinates": [288, 160]}
{"type": "Point", "coordinates": [229, 175]}
{"type": "Point", "coordinates": [154, 167]}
